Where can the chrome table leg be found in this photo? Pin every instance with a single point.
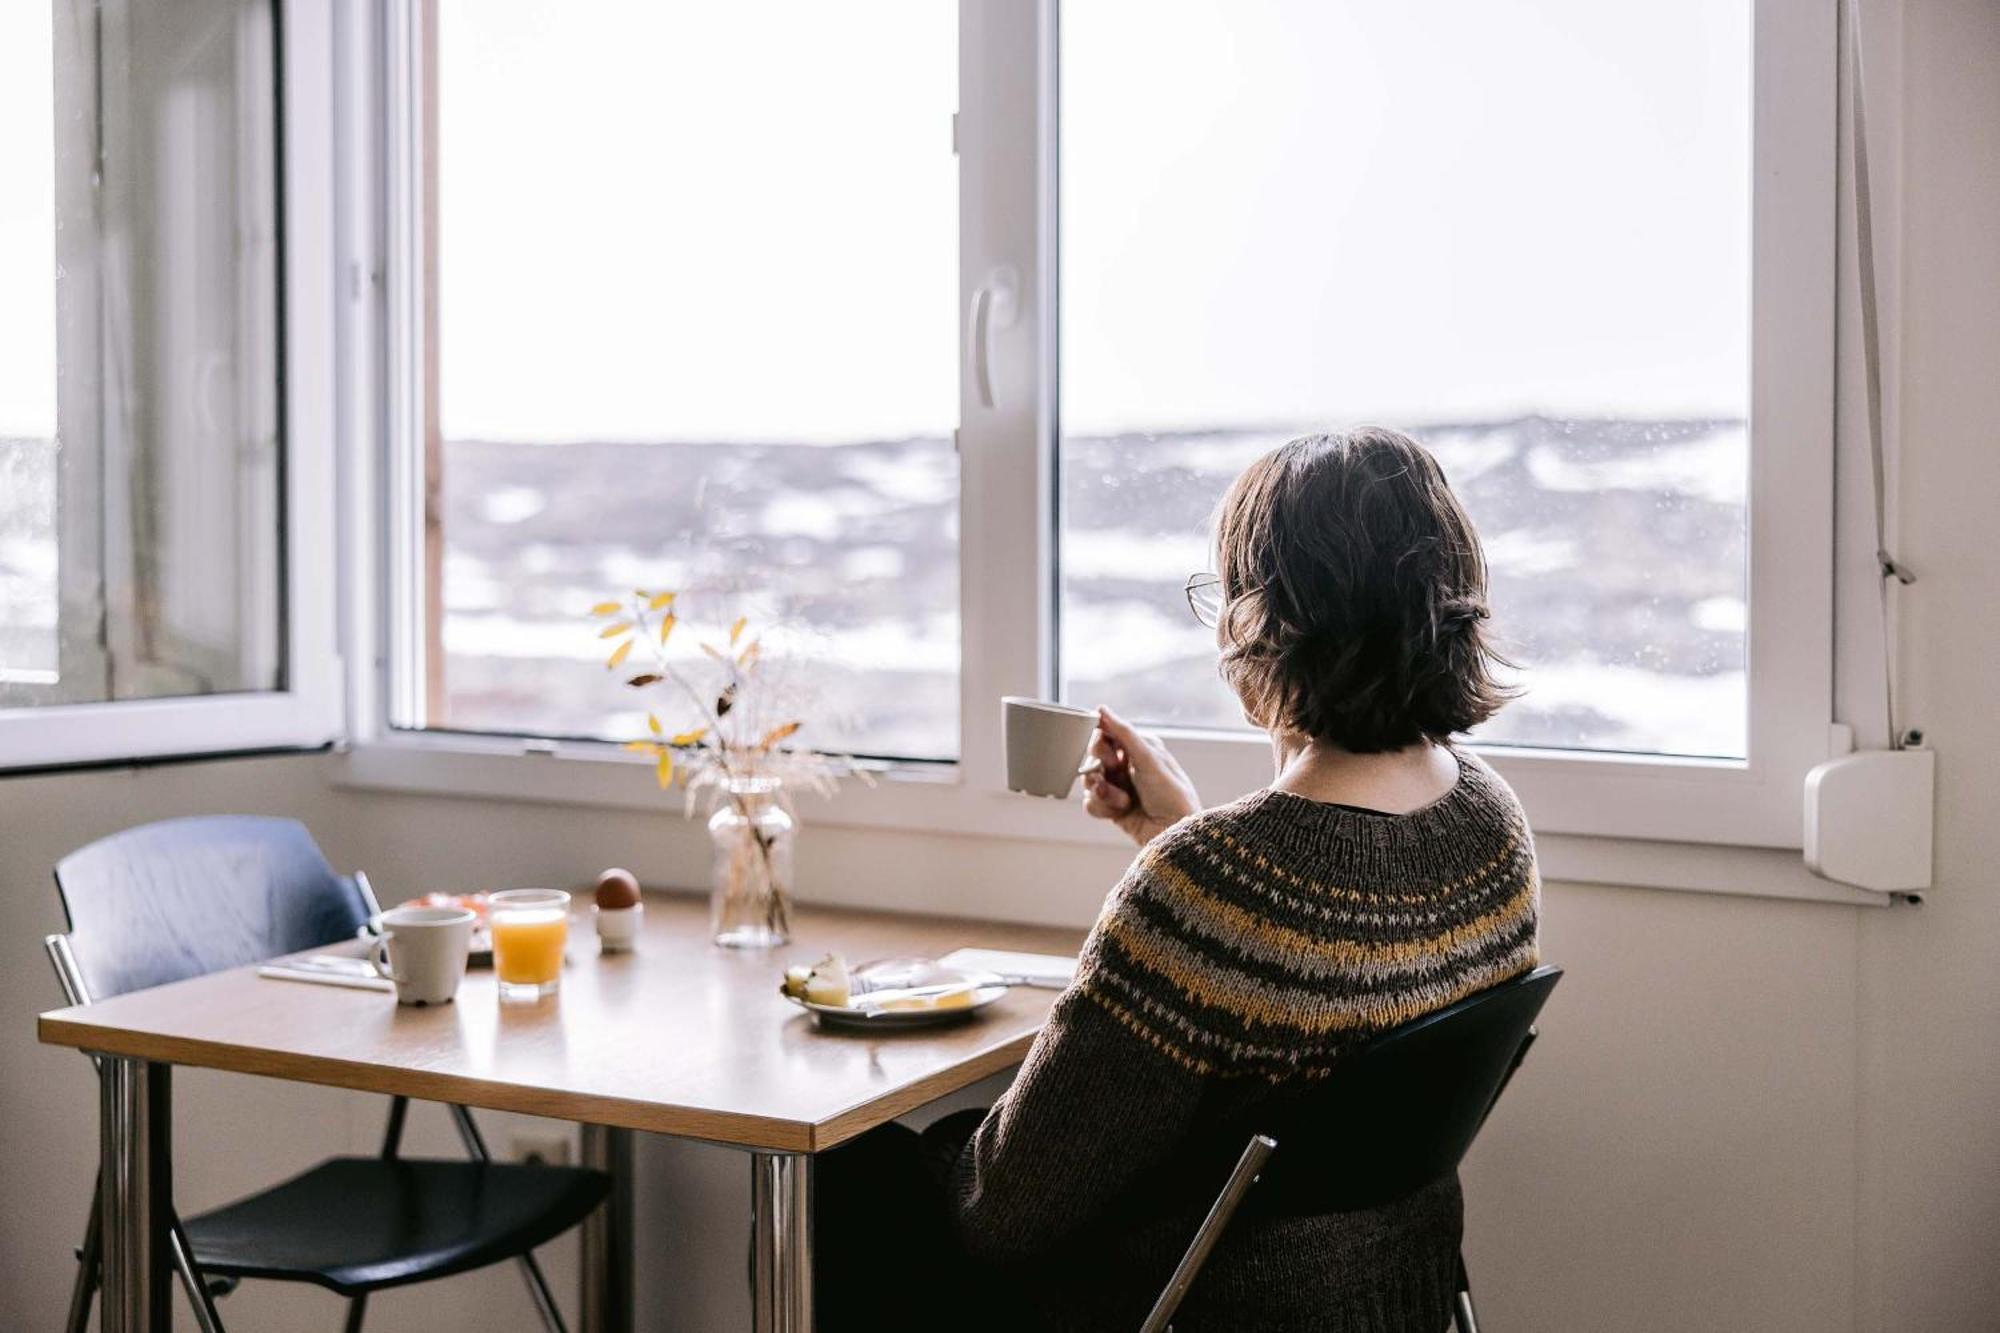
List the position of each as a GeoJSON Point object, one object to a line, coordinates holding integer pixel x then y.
{"type": "Point", "coordinates": [607, 1234]}
{"type": "Point", "coordinates": [135, 1110]}
{"type": "Point", "coordinates": [781, 1275]}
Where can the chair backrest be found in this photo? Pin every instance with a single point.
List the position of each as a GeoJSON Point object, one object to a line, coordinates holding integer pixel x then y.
{"type": "Point", "coordinates": [183, 897]}
{"type": "Point", "coordinates": [1396, 1117]}
{"type": "Point", "coordinates": [1403, 1111]}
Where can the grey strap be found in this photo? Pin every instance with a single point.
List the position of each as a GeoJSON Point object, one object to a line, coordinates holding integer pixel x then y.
{"type": "Point", "coordinates": [1889, 569]}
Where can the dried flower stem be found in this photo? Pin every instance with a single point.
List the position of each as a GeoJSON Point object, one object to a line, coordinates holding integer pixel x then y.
{"type": "Point", "coordinates": [735, 749]}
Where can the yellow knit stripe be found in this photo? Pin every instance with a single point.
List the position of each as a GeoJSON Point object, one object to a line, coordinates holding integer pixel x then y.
{"type": "Point", "coordinates": [1256, 1002]}
{"type": "Point", "coordinates": [1277, 1062]}
{"type": "Point", "coordinates": [1390, 910]}
{"type": "Point", "coordinates": [1230, 924]}
{"type": "Point", "coordinates": [1216, 835]}
{"type": "Point", "coordinates": [1331, 903]}
{"type": "Point", "coordinates": [1313, 955]}
{"type": "Point", "coordinates": [1149, 1034]}
{"type": "Point", "coordinates": [1148, 1014]}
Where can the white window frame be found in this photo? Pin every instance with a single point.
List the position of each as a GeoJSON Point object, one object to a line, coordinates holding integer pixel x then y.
{"type": "Point", "coordinates": [306, 712]}
{"type": "Point", "coordinates": [1620, 818]}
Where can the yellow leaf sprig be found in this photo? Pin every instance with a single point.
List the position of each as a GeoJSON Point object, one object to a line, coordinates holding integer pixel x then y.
{"type": "Point", "coordinates": [648, 617]}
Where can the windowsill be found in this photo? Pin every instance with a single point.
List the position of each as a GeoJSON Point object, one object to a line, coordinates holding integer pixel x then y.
{"type": "Point", "coordinates": [933, 799]}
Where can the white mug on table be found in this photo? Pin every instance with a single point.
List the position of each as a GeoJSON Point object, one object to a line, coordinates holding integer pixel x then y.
{"type": "Point", "coordinates": [423, 950]}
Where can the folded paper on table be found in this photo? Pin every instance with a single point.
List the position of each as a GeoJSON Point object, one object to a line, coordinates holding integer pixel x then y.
{"type": "Point", "coordinates": [328, 970]}
{"type": "Point", "coordinates": [1053, 971]}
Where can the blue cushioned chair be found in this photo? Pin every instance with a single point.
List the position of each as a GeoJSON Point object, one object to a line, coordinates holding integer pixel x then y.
{"type": "Point", "coordinates": [177, 899]}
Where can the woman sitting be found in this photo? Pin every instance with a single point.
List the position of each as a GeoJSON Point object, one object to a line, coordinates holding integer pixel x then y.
{"type": "Point", "coordinates": [1383, 874]}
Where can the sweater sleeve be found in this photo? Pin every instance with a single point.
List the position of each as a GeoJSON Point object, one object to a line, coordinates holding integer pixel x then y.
{"type": "Point", "coordinates": [1096, 1103]}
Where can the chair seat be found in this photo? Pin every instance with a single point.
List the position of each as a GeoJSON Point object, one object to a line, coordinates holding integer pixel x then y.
{"type": "Point", "coordinates": [359, 1224]}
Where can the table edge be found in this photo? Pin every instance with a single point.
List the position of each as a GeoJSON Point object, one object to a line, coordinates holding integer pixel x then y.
{"type": "Point", "coordinates": [730, 1128]}
{"type": "Point", "coordinates": [861, 1117]}
{"type": "Point", "coordinates": [733, 1128]}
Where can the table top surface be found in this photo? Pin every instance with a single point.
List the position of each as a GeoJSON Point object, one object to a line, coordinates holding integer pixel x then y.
{"type": "Point", "coordinates": [679, 1037]}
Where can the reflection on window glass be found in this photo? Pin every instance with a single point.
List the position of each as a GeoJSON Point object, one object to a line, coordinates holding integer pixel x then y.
{"type": "Point", "coordinates": [27, 353]}
{"type": "Point", "coordinates": [696, 293]}
{"type": "Point", "coordinates": [1517, 229]}
{"type": "Point", "coordinates": [140, 543]}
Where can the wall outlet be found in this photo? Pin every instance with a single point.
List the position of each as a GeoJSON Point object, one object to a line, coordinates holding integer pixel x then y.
{"type": "Point", "coordinates": [541, 1147]}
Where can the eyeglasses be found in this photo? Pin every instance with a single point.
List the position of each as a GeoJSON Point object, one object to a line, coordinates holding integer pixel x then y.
{"type": "Point", "coordinates": [1204, 597]}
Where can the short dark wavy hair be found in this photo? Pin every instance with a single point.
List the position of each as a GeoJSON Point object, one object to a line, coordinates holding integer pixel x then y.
{"type": "Point", "coordinates": [1354, 595]}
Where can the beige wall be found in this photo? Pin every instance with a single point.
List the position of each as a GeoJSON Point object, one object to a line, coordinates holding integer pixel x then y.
{"type": "Point", "coordinates": [1679, 1153]}
{"type": "Point", "coordinates": [1744, 1114]}
{"type": "Point", "coordinates": [1928, 985]}
{"type": "Point", "coordinates": [232, 1134]}
{"type": "Point", "coordinates": [47, 1098]}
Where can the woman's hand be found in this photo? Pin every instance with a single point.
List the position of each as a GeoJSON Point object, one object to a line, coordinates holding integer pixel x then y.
{"type": "Point", "coordinates": [1139, 785]}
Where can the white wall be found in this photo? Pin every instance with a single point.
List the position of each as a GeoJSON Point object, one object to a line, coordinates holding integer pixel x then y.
{"type": "Point", "coordinates": [1678, 1154]}
{"type": "Point", "coordinates": [1928, 985]}
{"type": "Point", "coordinates": [233, 1134]}
{"type": "Point", "coordinates": [1744, 1114]}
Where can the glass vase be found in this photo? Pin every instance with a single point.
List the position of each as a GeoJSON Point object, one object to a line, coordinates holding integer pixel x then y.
{"type": "Point", "coordinates": [750, 901]}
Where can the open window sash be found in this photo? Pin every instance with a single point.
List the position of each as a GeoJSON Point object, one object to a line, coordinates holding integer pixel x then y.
{"type": "Point", "coordinates": [194, 471]}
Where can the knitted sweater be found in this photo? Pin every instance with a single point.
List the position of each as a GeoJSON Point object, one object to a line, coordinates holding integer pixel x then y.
{"type": "Point", "coordinates": [1247, 950]}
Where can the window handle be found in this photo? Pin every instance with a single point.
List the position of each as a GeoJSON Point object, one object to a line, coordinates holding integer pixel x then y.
{"type": "Point", "coordinates": [995, 306]}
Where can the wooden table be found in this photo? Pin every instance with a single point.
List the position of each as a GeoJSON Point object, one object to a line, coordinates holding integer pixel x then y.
{"type": "Point", "coordinates": [679, 1038]}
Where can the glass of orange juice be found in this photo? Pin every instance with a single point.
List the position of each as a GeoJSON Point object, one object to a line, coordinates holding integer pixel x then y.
{"type": "Point", "coordinates": [530, 928]}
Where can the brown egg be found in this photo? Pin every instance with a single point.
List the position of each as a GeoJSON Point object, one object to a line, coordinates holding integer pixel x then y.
{"type": "Point", "coordinates": [617, 889]}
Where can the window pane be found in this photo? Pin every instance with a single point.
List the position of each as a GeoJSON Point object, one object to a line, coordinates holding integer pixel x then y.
{"type": "Point", "coordinates": [140, 550]}
{"type": "Point", "coordinates": [27, 352]}
{"type": "Point", "coordinates": [1518, 230]}
{"type": "Point", "coordinates": [696, 272]}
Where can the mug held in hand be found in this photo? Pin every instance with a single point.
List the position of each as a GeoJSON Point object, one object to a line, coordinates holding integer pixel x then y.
{"type": "Point", "coordinates": [1045, 744]}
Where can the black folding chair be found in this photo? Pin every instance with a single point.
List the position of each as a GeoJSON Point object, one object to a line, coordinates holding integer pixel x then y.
{"type": "Point", "coordinates": [185, 897]}
{"type": "Point", "coordinates": [1397, 1117]}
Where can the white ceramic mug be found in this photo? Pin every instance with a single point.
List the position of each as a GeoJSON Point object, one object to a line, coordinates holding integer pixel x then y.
{"type": "Point", "coordinates": [423, 950]}
{"type": "Point", "coordinates": [1045, 744]}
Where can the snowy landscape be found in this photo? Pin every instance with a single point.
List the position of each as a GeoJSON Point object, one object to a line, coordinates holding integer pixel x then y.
{"type": "Point", "coordinates": [1617, 554]}
{"type": "Point", "coordinates": [1616, 549]}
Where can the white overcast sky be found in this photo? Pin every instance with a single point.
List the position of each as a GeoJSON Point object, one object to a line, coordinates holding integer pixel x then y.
{"type": "Point", "coordinates": [699, 221]}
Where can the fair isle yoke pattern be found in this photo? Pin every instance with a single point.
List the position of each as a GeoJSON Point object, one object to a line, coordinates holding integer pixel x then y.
{"type": "Point", "coordinates": [1248, 950]}
{"type": "Point", "coordinates": [1272, 936]}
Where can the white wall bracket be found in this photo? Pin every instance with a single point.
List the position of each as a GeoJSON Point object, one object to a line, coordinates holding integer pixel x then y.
{"type": "Point", "coordinates": [1869, 816]}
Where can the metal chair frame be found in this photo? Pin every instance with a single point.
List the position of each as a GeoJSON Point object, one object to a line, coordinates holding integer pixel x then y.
{"type": "Point", "coordinates": [1255, 1154]}
{"type": "Point", "coordinates": [202, 1292]}
{"type": "Point", "coordinates": [1465, 1319]}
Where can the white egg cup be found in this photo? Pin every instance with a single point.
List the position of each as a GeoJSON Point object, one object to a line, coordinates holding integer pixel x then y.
{"type": "Point", "coordinates": [618, 927]}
